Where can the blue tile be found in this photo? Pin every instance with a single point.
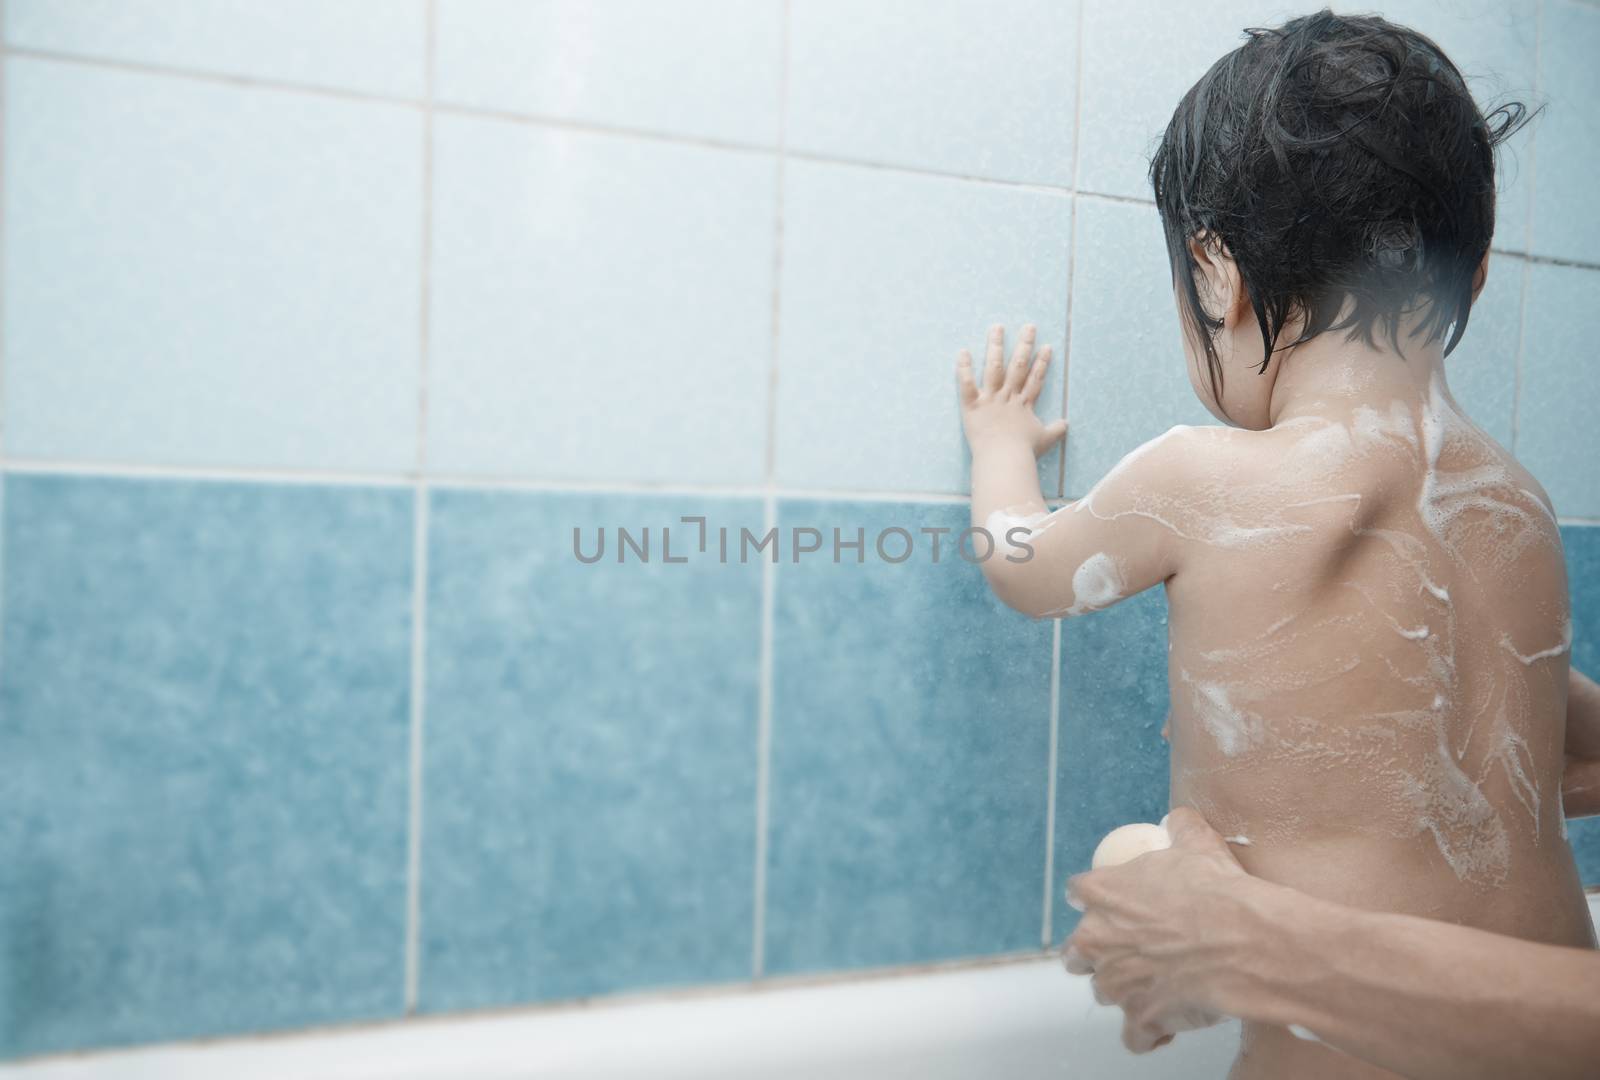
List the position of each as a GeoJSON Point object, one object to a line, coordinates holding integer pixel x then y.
{"type": "Point", "coordinates": [1584, 835]}
{"type": "Point", "coordinates": [910, 743]}
{"type": "Point", "coordinates": [1582, 544]}
{"type": "Point", "coordinates": [1557, 437]}
{"type": "Point", "coordinates": [1583, 581]}
{"type": "Point", "coordinates": [693, 67]}
{"type": "Point", "coordinates": [1128, 381]}
{"type": "Point", "coordinates": [375, 46]}
{"type": "Point", "coordinates": [208, 685]}
{"type": "Point", "coordinates": [205, 274]}
{"type": "Point", "coordinates": [590, 758]}
{"type": "Point", "coordinates": [1564, 222]}
{"type": "Point", "coordinates": [937, 86]}
{"type": "Point", "coordinates": [1111, 756]}
{"type": "Point", "coordinates": [1482, 370]}
{"type": "Point", "coordinates": [601, 306]}
{"type": "Point", "coordinates": [886, 276]}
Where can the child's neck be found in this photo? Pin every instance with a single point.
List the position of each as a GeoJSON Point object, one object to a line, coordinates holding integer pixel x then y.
{"type": "Point", "coordinates": [1329, 377]}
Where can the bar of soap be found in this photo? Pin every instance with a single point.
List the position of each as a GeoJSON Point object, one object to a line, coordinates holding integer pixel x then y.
{"type": "Point", "coordinates": [1129, 842]}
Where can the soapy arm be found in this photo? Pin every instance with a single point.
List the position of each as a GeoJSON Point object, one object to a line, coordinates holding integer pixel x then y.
{"type": "Point", "coordinates": [1580, 783]}
{"type": "Point", "coordinates": [1176, 937]}
{"type": "Point", "coordinates": [1082, 557]}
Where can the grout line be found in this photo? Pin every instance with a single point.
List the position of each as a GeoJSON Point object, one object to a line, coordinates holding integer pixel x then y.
{"type": "Point", "coordinates": [1527, 265]}
{"type": "Point", "coordinates": [249, 82]}
{"type": "Point", "coordinates": [1548, 260]}
{"type": "Point", "coordinates": [3, 249]}
{"type": "Point", "coordinates": [419, 652]}
{"type": "Point", "coordinates": [425, 271]}
{"type": "Point", "coordinates": [1046, 931]}
{"type": "Point", "coordinates": [26, 467]}
{"type": "Point", "coordinates": [1047, 914]}
{"type": "Point", "coordinates": [1125, 200]}
{"type": "Point", "coordinates": [419, 545]}
{"type": "Point", "coordinates": [769, 516]}
{"type": "Point", "coordinates": [769, 583]}
{"type": "Point", "coordinates": [1072, 258]}
{"type": "Point", "coordinates": [409, 479]}
{"type": "Point", "coordinates": [590, 127]}
{"type": "Point", "coordinates": [923, 171]}
{"type": "Point", "coordinates": [242, 474]}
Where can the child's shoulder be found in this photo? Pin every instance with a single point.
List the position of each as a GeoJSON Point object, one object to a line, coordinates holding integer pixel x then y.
{"type": "Point", "coordinates": [1184, 453]}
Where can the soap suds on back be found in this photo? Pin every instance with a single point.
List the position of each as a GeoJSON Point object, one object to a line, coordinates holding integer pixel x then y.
{"type": "Point", "coordinates": [1529, 659]}
{"type": "Point", "coordinates": [1233, 729]}
{"type": "Point", "coordinates": [1414, 508]}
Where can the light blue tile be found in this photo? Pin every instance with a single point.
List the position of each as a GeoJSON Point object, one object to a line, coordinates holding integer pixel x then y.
{"type": "Point", "coordinates": [693, 67]}
{"type": "Point", "coordinates": [1111, 757]}
{"type": "Point", "coordinates": [1128, 381]}
{"type": "Point", "coordinates": [1582, 543]}
{"type": "Point", "coordinates": [910, 741]}
{"type": "Point", "coordinates": [1126, 106]}
{"type": "Point", "coordinates": [1495, 45]}
{"type": "Point", "coordinates": [590, 760]}
{"type": "Point", "coordinates": [886, 276]}
{"type": "Point", "coordinates": [1139, 58]}
{"type": "Point", "coordinates": [1482, 371]}
{"type": "Point", "coordinates": [1557, 437]}
{"type": "Point", "coordinates": [208, 275]}
{"type": "Point", "coordinates": [1564, 222]}
{"type": "Point", "coordinates": [207, 683]}
{"type": "Point", "coordinates": [376, 46]}
{"type": "Point", "coordinates": [972, 87]}
{"type": "Point", "coordinates": [602, 306]}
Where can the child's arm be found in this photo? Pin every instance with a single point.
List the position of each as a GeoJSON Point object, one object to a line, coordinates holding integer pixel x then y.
{"type": "Point", "coordinates": [1580, 784]}
{"type": "Point", "coordinates": [1085, 556]}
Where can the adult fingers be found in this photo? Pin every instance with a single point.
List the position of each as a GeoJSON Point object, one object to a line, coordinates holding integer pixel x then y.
{"type": "Point", "coordinates": [1142, 1038]}
{"type": "Point", "coordinates": [1074, 960]}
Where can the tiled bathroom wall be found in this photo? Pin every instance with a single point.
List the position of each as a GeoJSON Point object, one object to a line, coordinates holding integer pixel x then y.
{"type": "Point", "coordinates": [324, 325]}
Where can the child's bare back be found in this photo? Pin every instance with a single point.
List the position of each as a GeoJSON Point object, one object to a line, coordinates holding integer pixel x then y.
{"type": "Point", "coordinates": [1371, 689]}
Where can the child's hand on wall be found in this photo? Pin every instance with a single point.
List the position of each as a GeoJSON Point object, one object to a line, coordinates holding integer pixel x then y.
{"type": "Point", "coordinates": [997, 413]}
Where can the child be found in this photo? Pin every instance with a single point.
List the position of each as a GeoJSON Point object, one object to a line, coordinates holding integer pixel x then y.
{"type": "Point", "coordinates": [1369, 631]}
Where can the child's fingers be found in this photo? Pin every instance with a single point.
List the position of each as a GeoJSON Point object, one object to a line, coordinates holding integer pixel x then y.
{"type": "Point", "coordinates": [1035, 383]}
{"type": "Point", "coordinates": [994, 365]}
{"type": "Point", "coordinates": [1017, 373]}
{"type": "Point", "coordinates": [964, 381]}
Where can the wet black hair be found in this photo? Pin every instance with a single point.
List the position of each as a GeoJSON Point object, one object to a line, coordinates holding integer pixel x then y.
{"type": "Point", "coordinates": [1336, 157]}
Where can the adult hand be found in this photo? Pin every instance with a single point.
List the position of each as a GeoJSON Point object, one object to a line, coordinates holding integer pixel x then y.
{"type": "Point", "coordinates": [1156, 931]}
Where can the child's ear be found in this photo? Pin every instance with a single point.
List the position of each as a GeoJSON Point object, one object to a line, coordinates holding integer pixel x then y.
{"type": "Point", "coordinates": [1219, 280]}
{"type": "Point", "coordinates": [1481, 277]}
